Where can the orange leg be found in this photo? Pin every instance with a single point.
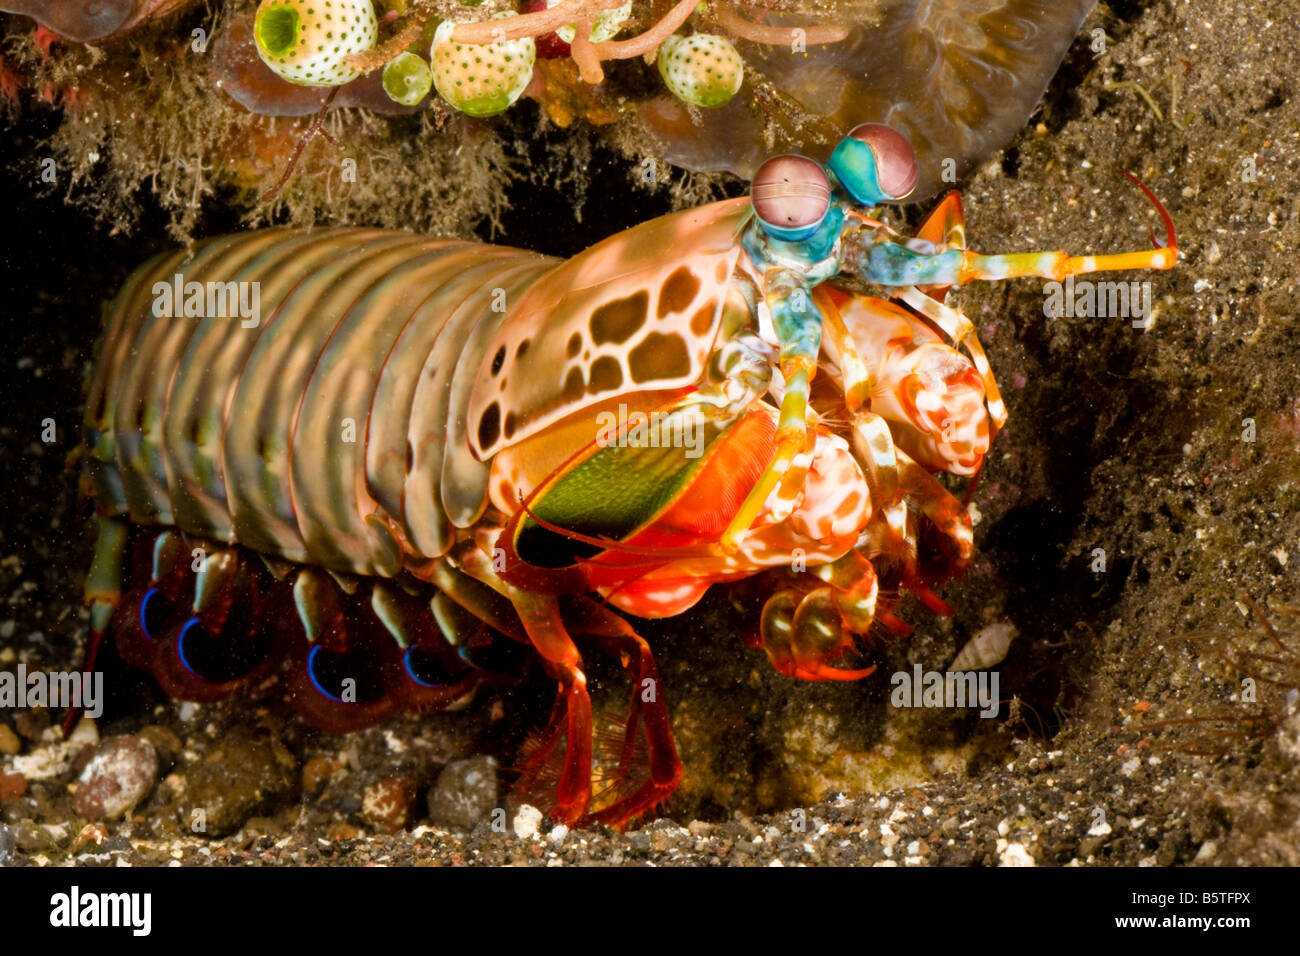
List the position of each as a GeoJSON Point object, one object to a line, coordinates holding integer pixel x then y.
{"type": "Point", "coordinates": [542, 621]}
{"type": "Point", "coordinates": [571, 718]}
{"type": "Point", "coordinates": [647, 703]}
{"type": "Point", "coordinates": [541, 617]}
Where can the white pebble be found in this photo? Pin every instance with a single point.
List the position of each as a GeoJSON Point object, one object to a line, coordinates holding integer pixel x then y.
{"type": "Point", "coordinates": [526, 822]}
{"type": "Point", "coordinates": [887, 835]}
{"type": "Point", "coordinates": [85, 732]}
{"type": "Point", "coordinates": [1016, 855]}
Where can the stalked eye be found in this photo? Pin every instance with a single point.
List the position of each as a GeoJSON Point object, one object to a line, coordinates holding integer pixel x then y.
{"type": "Point", "coordinates": [791, 196]}
{"type": "Point", "coordinates": [875, 164]}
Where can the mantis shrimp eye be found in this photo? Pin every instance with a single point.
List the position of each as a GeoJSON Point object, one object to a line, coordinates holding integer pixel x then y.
{"type": "Point", "coordinates": [875, 164]}
{"type": "Point", "coordinates": [791, 196]}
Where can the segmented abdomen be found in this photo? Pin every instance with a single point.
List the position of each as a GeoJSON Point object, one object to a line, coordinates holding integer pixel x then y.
{"type": "Point", "coordinates": [328, 430]}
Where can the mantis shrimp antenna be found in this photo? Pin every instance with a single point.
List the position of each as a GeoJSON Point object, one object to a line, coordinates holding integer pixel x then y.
{"type": "Point", "coordinates": [1057, 265]}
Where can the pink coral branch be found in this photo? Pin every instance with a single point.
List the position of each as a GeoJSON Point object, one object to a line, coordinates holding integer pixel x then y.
{"type": "Point", "coordinates": [734, 23]}
{"type": "Point", "coordinates": [532, 24]}
{"type": "Point", "coordinates": [582, 13]}
{"type": "Point", "coordinates": [368, 60]}
{"type": "Point", "coordinates": [584, 54]}
{"type": "Point", "coordinates": [650, 40]}
{"type": "Point", "coordinates": [588, 55]}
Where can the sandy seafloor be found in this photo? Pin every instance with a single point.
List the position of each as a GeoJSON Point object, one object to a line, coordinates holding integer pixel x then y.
{"type": "Point", "coordinates": [1122, 439]}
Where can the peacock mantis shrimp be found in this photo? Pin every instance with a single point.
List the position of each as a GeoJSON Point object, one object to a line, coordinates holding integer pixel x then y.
{"type": "Point", "coordinates": [427, 464]}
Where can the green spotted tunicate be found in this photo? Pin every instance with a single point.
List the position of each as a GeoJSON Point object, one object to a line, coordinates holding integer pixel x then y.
{"type": "Point", "coordinates": [407, 79]}
{"type": "Point", "coordinates": [702, 69]}
{"type": "Point", "coordinates": [481, 79]}
{"type": "Point", "coordinates": [308, 42]}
